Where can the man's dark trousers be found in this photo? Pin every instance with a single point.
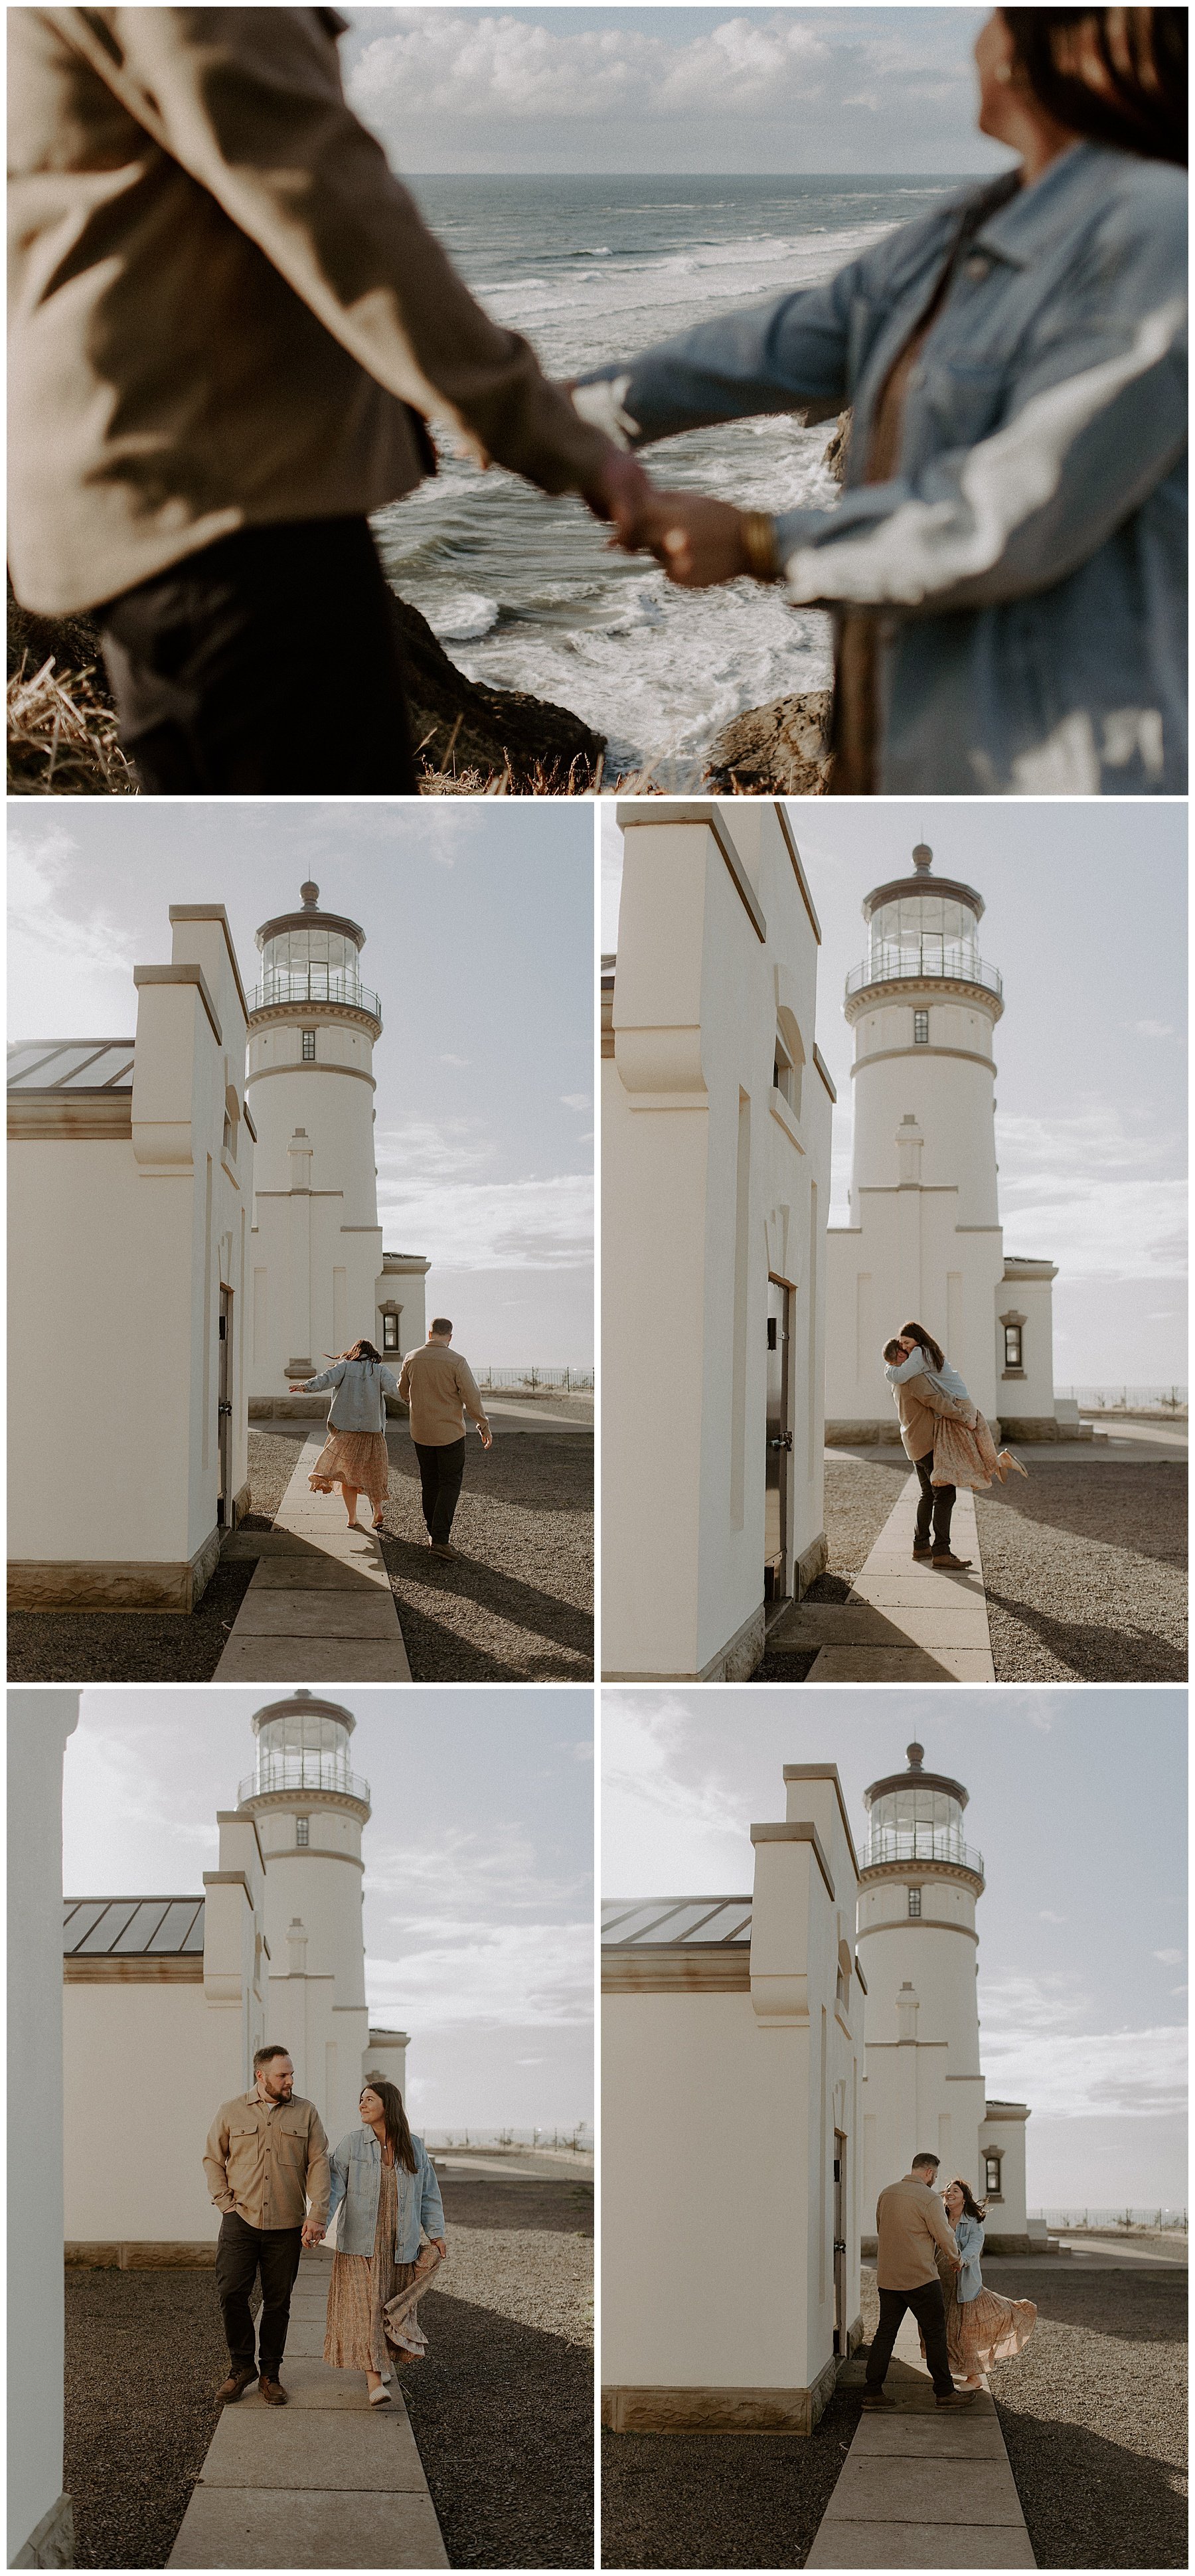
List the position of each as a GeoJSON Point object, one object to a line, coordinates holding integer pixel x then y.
{"type": "Point", "coordinates": [266, 664]}
{"type": "Point", "coordinates": [937, 1500]}
{"type": "Point", "coordinates": [440, 1473]}
{"type": "Point", "coordinates": [241, 2252]}
{"type": "Point", "coordinates": [929, 2308]}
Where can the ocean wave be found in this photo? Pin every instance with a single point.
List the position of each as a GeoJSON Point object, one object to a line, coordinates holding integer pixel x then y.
{"type": "Point", "coordinates": [463, 617]}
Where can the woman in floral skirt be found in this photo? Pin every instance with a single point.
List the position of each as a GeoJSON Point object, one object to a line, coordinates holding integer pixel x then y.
{"type": "Point", "coordinates": [981, 2327]}
{"type": "Point", "coordinates": [354, 1455]}
{"type": "Point", "coordinates": [384, 2178]}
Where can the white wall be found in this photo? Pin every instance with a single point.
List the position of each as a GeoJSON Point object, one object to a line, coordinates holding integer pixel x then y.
{"type": "Point", "coordinates": [117, 1252]}
{"type": "Point", "coordinates": [709, 1180]}
{"type": "Point", "coordinates": [39, 1723]}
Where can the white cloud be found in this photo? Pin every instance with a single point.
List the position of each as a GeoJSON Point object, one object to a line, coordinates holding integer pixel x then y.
{"type": "Point", "coordinates": [476, 69]}
{"type": "Point", "coordinates": [435, 1196]}
{"type": "Point", "coordinates": [60, 931]}
{"type": "Point", "coordinates": [1152, 1028]}
{"type": "Point", "coordinates": [1046, 1917]}
{"type": "Point", "coordinates": [454, 1059]}
{"type": "Point", "coordinates": [648, 1757]}
{"type": "Point", "coordinates": [469, 1919]}
{"type": "Point", "coordinates": [1093, 1191]}
{"type": "Point", "coordinates": [1169, 1958]}
{"type": "Point", "coordinates": [575, 1099]}
{"type": "Point", "coordinates": [1038, 2047]}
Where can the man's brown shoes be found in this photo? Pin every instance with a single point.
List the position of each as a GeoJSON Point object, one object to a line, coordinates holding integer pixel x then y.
{"type": "Point", "coordinates": [877, 2397]}
{"type": "Point", "coordinates": [948, 1564]}
{"type": "Point", "coordinates": [237, 2382]}
{"type": "Point", "coordinates": [958, 2397]}
{"type": "Point", "coordinates": [273, 2393]}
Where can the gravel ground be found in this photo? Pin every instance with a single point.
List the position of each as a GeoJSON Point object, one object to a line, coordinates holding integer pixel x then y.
{"type": "Point", "coordinates": [531, 2277]}
{"type": "Point", "coordinates": [859, 1497]}
{"type": "Point", "coordinates": [519, 1607]}
{"type": "Point", "coordinates": [1093, 2414]}
{"type": "Point", "coordinates": [721, 2500]}
{"type": "Point", "coordinates": [144, 2352]}
{"type": "Point", "coordinates": [502, 2408]}
{"type": "Point", "coordinates": [1085, 1570]}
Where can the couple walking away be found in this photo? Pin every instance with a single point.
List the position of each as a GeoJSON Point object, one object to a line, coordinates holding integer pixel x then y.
{"type": "Point", "coordinates": [945, 1436]}
{"type": "Point", "coordinates": [439, 1388]}
{"type": "Point", "coordinates": [230, 326]}
{"type": "Point", "coordinates": [271, 2177]}
{"type": "Point", "coordinates": [929, 2245]}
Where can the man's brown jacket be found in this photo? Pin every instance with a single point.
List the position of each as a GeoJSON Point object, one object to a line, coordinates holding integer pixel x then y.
{"type": "Point", "coordinates": [224, 309]}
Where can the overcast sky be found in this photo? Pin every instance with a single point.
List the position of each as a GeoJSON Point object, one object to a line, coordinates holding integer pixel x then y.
{"type": "Point", "coordinates": [479, 938]}
{"type": "Point", "coordinates": [478, 1869]}
{"type": "Point", "coordinates": [1086, 919]}
{"type": "Point", "coordinates": [1078, 1803]}
{"type": "Point", "coordinates": [698, 90]}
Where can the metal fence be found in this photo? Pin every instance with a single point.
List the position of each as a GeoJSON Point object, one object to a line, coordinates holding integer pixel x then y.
{"type": "Point", "coordinates": [579, 2139]}
{"type": "Point", "coordinates": [1119, 1399]}
{"type": "Point", "coordinates": [570, 1381]}
{"type": "Point", "coordinates": [921, 1842]}
{"type": "Point", "coordinates": [960, 963]}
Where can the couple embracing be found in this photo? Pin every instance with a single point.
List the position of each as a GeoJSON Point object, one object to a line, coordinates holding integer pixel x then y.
{"type": "Point", "coordinates": [946, 1437]}
{"type": "Point", "coordinates": [929, 2245]}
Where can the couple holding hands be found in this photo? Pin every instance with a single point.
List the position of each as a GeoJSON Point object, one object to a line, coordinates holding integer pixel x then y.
{"type": "Point", "coordinates": [230, 326]}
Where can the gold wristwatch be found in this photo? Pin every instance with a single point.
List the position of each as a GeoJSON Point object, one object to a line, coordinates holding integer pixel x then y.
{"type": "Point", "coordinates": [759, 546]}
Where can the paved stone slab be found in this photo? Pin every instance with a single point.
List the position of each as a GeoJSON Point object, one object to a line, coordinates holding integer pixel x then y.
{"type": "Point", "coordinates": [263, 2527]}
{"type": "Point", "coordinates": [325, 2447]}
{"type": "Point", "coordinates": [925, 2544]}
{"type": "Point", "coordinates": [935, 2434]}
{"type": "Point", "coordinates": [318, 1570]}
{"type": "Point", "coordinates": [901, 1664]}
{"type": "Point", "coordinates": [328, 2481]}
{"type": "Point", "coordinates": [895, 2489]}
{"type": "Point", "coordinates": [294, 1612]}
{"type": "Point", "coordinates": [903, 1622]}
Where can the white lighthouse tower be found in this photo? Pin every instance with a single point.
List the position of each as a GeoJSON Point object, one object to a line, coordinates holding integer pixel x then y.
{"type": "Point", "coordinates": [924, 1238]}
{"type": "Point", "coordinates": [320, 1276]}
{"type": "Point", "coordinates": [923, 2088]}
{"type": "Point", "coordinates": [310, 1808]}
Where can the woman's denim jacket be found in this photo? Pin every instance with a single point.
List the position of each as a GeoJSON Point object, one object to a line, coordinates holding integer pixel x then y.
{"type": "Point", "coordinates": [1029, 556]}
{"type": "Point", "coordinates": [357, 2181]}
{"type": "Point", "coordinates": [968, 2237]}
{"type": "Point", "coordinates": [359, 1403]}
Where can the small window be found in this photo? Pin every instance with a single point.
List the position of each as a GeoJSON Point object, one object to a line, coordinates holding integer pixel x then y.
{"type": "Point", "coordinates": [389, 1332]}
{"type": "Point", "coordinates": [991, 2176]}
{"type": "Point", "coordinates": [309, 1046]}
{"type": "Point", "coordinates": [921, 1028]}
{"type": "Point", "coordinates": [783, 1074]}
{"type": "Point", "coordinates": [303, 1832]}
{"type": "Point", "coordinates": [1012, 1346]}
{"type": "Point", "coordinates": [914, 1905]}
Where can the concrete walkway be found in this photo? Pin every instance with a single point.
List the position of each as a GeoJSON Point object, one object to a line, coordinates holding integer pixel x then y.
{"type": "Point", "coordinates": [319, 1607]}
{"type": "Point", "coordinates": [920, 2486]}
{"type": "Point", "coordinates": [902, 1622]}
{"type": "Point", "coordinates": [328, 2481]}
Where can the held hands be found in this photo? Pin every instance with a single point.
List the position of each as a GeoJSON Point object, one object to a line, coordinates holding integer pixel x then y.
{"type": "Point", "coordinates": [699, 542]}
{"type": "Point", "coordinates": [313, 2232]}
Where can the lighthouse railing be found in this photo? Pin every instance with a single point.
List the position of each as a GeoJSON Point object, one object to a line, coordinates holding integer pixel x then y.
{"type": "Point", "coordinates": [918, 961]}
{"type": "Point", "coordinates": [921, 1842]}
{"type": "Point", "coordinates": [314, 983]}
{"type": "Point", "coordinates": [309, 1770]}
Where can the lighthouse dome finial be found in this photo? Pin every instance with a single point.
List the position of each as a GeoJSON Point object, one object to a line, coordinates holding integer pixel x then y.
{"type": "Point", "coordinates": [310, 895]}
{"type": "Point", "coordinates": [916, 1754]}
{"type": "Point", "coordinates": [923, 858]}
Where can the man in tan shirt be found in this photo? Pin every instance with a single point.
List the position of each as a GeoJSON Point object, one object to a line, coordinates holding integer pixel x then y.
{"type": "Point", "coordinates": [266, 2162]}
{"type": "Point", "coordinates": [911, 2226]}
{"type": "Point", "coordinates": [917, 1403]}
{"type": "Point", "coordinates": [440, 1388]}
{"type": "Point", "coordinates": [228, 328]}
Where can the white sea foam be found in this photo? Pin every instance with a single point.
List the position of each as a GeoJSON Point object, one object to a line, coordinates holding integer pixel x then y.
{"type": "Point", "coordinates": [461, 616]}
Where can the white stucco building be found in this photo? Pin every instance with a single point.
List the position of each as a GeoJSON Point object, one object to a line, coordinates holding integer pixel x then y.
{"type": "Point", "coordinates": [731, 2076]}
{"type": "Point", "coordinates": [271, 1950]}
{"type": "Point", "coordinates": [40, 2520]}
{"type": "Point", "coordinates": [715, 1161]}
{"type": "Point", "coordinates": [924, 1239]}
{"type": "Point", "coordinates": [923, 2085]}
{"type": "Point", "coordinates": [321, 1279]}
{"type": "Point", "coordinates": [130, 1177]}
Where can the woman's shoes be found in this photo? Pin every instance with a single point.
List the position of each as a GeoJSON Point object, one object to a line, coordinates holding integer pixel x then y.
{"type": "Point", "coordinates": [1006, 1460]}
{"type": "Point", "coordinates": [380, 2396]}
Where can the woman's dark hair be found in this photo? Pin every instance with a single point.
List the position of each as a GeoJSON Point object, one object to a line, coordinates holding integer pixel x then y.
{"type": "Point", "coordinates": [972, 2208]}
{"type": "Point", "coordinates": [360, 1351]}
{"type": "Point", "coordinates": [395, 2119]}
{"type": "Point", "coordinates": [1140, 104]}
{"type": "Point", "coordinates": [917, 1333]}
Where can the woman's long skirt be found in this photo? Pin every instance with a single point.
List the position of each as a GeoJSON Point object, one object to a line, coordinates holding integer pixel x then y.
{"type": "Point", "coordinates": [964, 1453]}
{"type": "Point", "coordinates": [356, 1458]}
{"type": "Point", "coordinates": [355, 2335]}
{"type": "Point", "coordinates": [983, 2330]}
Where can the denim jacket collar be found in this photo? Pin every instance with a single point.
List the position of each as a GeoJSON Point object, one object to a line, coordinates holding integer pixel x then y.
{"type": "Point", "coordinates": [1022, 228]}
